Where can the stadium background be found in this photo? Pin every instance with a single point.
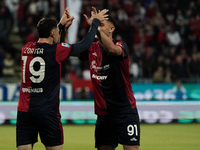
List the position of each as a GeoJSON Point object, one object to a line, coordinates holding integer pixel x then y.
{"type": "Point", "coordinates": [163, 38]}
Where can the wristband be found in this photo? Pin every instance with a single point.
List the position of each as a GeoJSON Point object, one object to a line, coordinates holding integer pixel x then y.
{"type": "Point", "coordinates": [60, 26]}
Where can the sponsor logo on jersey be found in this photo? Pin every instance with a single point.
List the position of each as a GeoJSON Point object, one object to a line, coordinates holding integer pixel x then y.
{"type": "Point", "coordinates": [32, 90]}
{"type": "Point", "coordinates": [66, 45]}
{"type": "Point", "coordinates": [93, 65]}
{"type": "Point", "coordinates": [96, 69]}
{"type": "Point", "coordinates": [133, 139]}
{"type": "Point", "coordinates": [99, 77]}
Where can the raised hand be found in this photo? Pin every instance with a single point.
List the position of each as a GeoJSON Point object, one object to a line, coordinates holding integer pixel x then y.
{"type": "Point", "coordinates": [69, 18]}
{"type": "Point", "coordinates": [101, 15]}
{"type": "Point", "coordinates": [93, 12]}
{"type": "Point", "coordinates": [94, 15]}
{"type": "Point", "coordinates": [66, 19]}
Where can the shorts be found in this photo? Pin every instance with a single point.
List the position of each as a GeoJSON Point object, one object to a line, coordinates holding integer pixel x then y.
{"type": "Point", "coordinates": [48, 125]}
{"type": "Point", "coordinates": [113, 130]}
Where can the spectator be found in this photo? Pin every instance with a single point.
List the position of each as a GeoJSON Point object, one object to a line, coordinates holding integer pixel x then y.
{"type": "Point", "coordinates": [5, 23]}
{"type": "Point", "coordinates": [179, 68]}
{"type": "Point", "coordinates": [32, 8]}
{"type": "Point", "coordinates": [158, 76]}
{"type": "Point", "coordinates": [43, 7]}
{"type": "Point", "coordinates": [140, 11]}
{"type": "Point", "coordinates": [13, 5]}
{"type": "Point", "coordinates": [194, 64]}
{"type": "Point", "coordinates": [179, 90]}
{"type": "Point", "coordinates": [140, 24]}
{"type": "Point", "coordinates": [173, 37]}
{"type": "Point", "coordinates": [134, 69]}
{"type": "Point", "coordinates": [8, 66]}
{"type": "Point", "coordinates": [26, 28]}
{"type": "Point", "coordinates": [52, 13]}
{"type": "Point", "coordinates": [160, 62]}
{"type": "Point", "coordinates": [21, 12]}
{"type": "Point", "coordinates": [168, 76]}
{"type": "Point", "coordinates": [148, 60]}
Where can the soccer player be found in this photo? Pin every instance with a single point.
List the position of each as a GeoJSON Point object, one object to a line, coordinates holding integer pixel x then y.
{"type": "Point", "coordinates": [115, 105]}
{"type": "Point", "coordinates": [38, 106]}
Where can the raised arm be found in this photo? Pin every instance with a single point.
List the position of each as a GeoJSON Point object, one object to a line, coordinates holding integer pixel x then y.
{"type": "Point", "coordinates": [106, 40]}
{"type": "Point", "coordinates": [108, 44]}
{"type": "Point", "coordinates": [64, 24]}
{"type": "Point", "coordinates": [86, 42]}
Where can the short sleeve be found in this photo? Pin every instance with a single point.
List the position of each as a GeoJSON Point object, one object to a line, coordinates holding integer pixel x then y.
{"type": "Point", "coordinates": [123, 47]}
{"type": "Point", "coordinates": [62, 51]}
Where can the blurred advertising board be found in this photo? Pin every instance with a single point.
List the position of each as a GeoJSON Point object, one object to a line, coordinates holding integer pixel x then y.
{"type": "Point", "coordinates": [166, 92]}
{"type": "Point", "coordinates": [68, 91]}
{"type": "Point", "coordinates": [82, 112]}
{"type": "Point", "coordinates": [10, 92]}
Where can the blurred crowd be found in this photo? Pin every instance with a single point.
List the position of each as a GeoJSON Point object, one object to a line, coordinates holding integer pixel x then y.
{"type": "Point", "coordinates": [163, 37]}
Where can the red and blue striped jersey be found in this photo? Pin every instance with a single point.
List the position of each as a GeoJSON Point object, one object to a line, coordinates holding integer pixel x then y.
{"type": "Point", "coordinates": [40, 76]}
{"type": "Point", "coordinates": [110, 77]}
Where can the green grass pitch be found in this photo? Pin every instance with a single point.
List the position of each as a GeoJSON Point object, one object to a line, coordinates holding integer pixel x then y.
{"type": "Point", "coordinates": [172, 136]}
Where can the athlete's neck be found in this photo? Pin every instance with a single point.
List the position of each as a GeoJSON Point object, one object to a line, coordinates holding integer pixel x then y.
{"type": "Point", "coordinates": [45, 40]}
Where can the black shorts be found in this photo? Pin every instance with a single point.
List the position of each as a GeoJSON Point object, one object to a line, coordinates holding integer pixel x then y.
{"type": "Point", "coordinates": [123, 129]}
{"type": "Point", "coordinates": [48, 126]}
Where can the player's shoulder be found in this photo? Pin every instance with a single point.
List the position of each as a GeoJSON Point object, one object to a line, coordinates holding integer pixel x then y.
{"type": "Point", "coordinates": [94, 45]}
{"type": "Point", "coordinates": [118, 42]}
{"type": "Point", "coordinates": [29, 44]}
{"type": "Point", "coordinates": [64, 45]}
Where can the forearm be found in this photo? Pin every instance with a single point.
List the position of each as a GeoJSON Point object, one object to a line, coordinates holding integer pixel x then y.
{"type": "Point", "coordinates": [87, 41]}
{"type": "Point", "coordinates": [61, 32]}
{"type": "Point", "coordinates": [64, 36]}
{"type": "Point", "coordinates": [110, 47]}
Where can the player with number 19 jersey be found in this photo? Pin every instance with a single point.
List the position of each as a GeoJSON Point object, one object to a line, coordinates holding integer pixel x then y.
{"type": "Point", "coordinates": [40, 78]}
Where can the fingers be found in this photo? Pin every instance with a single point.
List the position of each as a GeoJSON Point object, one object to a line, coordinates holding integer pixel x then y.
{"type": "Point", "coordinates": [67, 12]}
{"type": "Point", "coordinates": [86, 17]}
{"type": "Point", "coordinates": [70, 19]}
{"type": "Point", "coordinates": [67, 9]}
{"type": "Point", "coordinates": [94, 10]}
{"type": "Point", "coordinates": [104, 11]}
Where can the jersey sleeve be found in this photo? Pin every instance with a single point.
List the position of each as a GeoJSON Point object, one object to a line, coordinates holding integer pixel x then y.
{"type": "Point", "coordinates": [84, 55]}
{"type": "Point", "coordinates": [62, 51]}
{"type": "Point", "coordinates": [123, 47]}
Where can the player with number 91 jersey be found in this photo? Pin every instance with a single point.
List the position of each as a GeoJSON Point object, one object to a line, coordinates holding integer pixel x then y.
{"type": "Point", "coordinates": [40, 76]}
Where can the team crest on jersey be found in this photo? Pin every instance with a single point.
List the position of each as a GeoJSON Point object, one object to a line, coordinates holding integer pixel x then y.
{"type": "Point", "coordinates": [95, 54]}
{"type": "Point", "coordinates": [119, 44]}
{"type": "Point", "coordinates": [66, 45]}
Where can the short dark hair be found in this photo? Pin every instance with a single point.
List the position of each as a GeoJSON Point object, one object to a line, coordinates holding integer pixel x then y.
{"type": "Point", "coordinates": [44, 27]}
{"type": "Point", "coordinates": [112, 20]}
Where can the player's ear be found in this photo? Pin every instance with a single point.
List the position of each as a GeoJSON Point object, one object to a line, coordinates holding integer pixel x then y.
{"type": "Point", "coordinates": [112, 29]}
{"type": "Point", "coordinates": [52, 33]}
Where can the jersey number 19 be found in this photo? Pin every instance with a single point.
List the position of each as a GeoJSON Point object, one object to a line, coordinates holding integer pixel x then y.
{"type": "Point", "coordinates": [37, 76]}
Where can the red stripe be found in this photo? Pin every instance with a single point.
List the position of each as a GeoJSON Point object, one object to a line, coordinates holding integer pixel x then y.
{"type": "Point", "coordinates": [24, 99]}
{"type": "Point", "coordinates": [128, 88]}
{"type": "Point", "coordinates": [100, 104]}
{"type": "Point", "coordinates": [61, 128]}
